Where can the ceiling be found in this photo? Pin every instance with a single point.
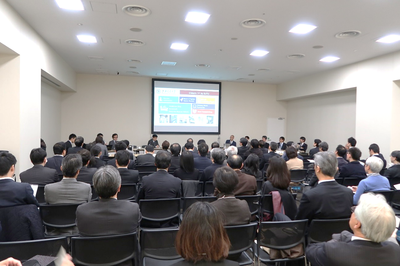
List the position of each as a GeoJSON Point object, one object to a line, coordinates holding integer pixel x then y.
{"type": "Point", "coordinates": [222, 43]}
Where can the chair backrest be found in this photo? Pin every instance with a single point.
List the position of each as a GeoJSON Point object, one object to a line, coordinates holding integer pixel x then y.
{"type": "Point", "coordinates": [264, 170]}
{"type": "Point", "coordinates": [192, 188]}
{"type": "Point", "coordinates": [209, 188]}
{"type": "Point", "coordinates": [396, 199]}
{"type": "Point", "coordinates": [127, 192]}
{"type": "Point", "coordinates": [241, 237]}
{"type": "Point", "coordinates": [159, 210]}
{"type": "Point", "coordinates": [351, 181]}
{"type": "Point", "coordinates": [266, 205]}
{"type": "Point", "coordinates": [94, 193]}
{"type": "Point", "coordinates": [40, 194]}
{"type": "Point", "coordinates": [283, 234]}
{"type": "Point", "coordinates": [24, 250]}
{"type": "Point", "coordinates": [145, 170]}
{"type": "Point", "coordinates": [104, 250]}
{"type": "Point", "coordinates": [187, 201]}
{"type": "Point", "coordinates": [388, 194]}
{"type": "Point", "coordinates": [321, 230]}
{"type": "Point", "coordinates": [253, 201]}
{"type": "Point", "coordinates": [393, 181]}
{"type": "Point", "coordinates": [59, 215]}
{"type": "Point", "coordinates": [259, 184]}
{"type": "Point", "coordinates": [298, 175]}
{"type": "Point", "coordinates": [159, 243]}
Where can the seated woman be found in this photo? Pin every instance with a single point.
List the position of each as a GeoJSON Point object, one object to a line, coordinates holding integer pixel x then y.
{"type": "Point", "coordinates": [278, 179]}
{"type": "Point", "coordinates": [187, 170]}
{"type": "Point", "coordinates": [235, 211]}
{"type": "Point", "coordinates": [202, 239]}
{"type": "Point", "coordinates": [251, 166]}
{"type": "Point", "coordinates": [293, 162]}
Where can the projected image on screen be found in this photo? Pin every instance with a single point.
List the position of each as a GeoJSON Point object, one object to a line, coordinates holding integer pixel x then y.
{"type": "Point", "coordinates": [186, 107]}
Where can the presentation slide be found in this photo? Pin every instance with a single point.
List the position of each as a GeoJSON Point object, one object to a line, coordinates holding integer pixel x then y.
{"type": "Point", "coordinates": [186, 107]}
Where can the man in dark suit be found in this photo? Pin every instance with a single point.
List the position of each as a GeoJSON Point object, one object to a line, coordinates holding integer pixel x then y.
{"type": "Point", "coordinates": [108, 216]}
{"type": "Point", "coordinates": [302, 145]}
{"type": "Point", "coordinates": [272, 152]}
{"type": "Point", "coordinates": [128, 176]}
{"type": "Point", "coordinates": [247, 183]}
{"type": "Point", "coordinates": [154, 142]}
{"type": "Point", "coordinates": [55, 161]}
{"type": "Point", "coordinates": [354, 168]}
{"type": "Point", "coordinates": [13, 193]}
{"type": "Point", "coordinates": [316, 147]}
{"type": "Point", "coordinates": [190, 148]}
{"type": "Point", "coordinates": [68, 143]}
{"type": "Point", "coordinates": [282, 144]}
{"type": "Point", "coordinates": [78, 145]}
{"type": "Point", "coordinates": [374, 151]}
{"type": "Point", "coordinates": [86, 173]}
{"type": "Point", "coordinates": [231, 141]}
{"type": "Point", "coordinates": [243, 147]}
{"type": "Point", "coordinates": [39, 174]}
{"type": "Point", "coordinates": [121, 146]}
{"type": "Point", "coordinates": [175, 158]}
{"type": "Point", "coordinates": [340, 155]}
{"type": "Point", "coordinates": [372, 222]}
{"type": "Point", "coordinates": [95, 151]}
{"type": "Point", "coordinates": [254, 149]}
{"type": "Point", "coordinates": [328, 200]}
{"type": "Point", "coordinates": [202, 162]}
{"type": "Point", "coordinates": [217, 158]}
{"type": "Point", "coordinates": [394, 170]}
{"type": "Point", "coordinates": [113, 141]}
{"type": "Point", "coordinates": [160, 184]}
{"type": "Point", "coordinates": [148, 158]}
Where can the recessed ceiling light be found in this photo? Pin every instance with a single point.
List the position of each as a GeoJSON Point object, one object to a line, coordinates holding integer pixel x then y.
{"type": "Point", "coordinates": [296, 56]}
{"type": "Point", "coordinates": [161, 74]}
{"type": "Point", "coordinates": [253, 23]}
{"type": "Point", "coordinates": [87, 38]}
{"type": "Point", "coordinates": [134, 42]}
{"type": "Point", "coordinates": [259, 53]}
{"type": "Point", "coordinates": [179, 46]}
{"type": "Point", "coordinates": [70, 4]}
{"type": "Point", "coordinates": [348, 34]}
{"type": "Point", "coordinates": [302, 28]}
{"type": "Point", "coordinates": [329, 59]}
{"type": "Point", "coordinates": [134, 60]}
{"type": "Point", "coordinates": [168, 63]}
{"type": "Point", "coordinates": [389, 38]}
{"type": "Point", "coordinates": [197, 17]}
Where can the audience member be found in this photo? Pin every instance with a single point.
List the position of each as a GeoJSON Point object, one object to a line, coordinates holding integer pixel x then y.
{"type": "Point", "coordinates": [100, 142]}
{"type": "Point", "coordinates": [374, 181]}
{"type": "Point", "coordinates": [278, 179]}
{"type": "Point", "coordinates": [148, 158]}
{"type": "Point", "coordinates": [122, 146]}
{"type": "Point", "coordinates": [293, 162]}
{"type": "Point", "coordinates": [247, 183]}
{"type": "Point", "coordinates": [128, 176]}
{"type": "Point", "coordinates": [175, 158]}
{"type": "Point", "coordinates": [353, 168]}
{"type": "Point", "coordinates": [351, 143]}
{"type": "Point", "coordinates": [202, 239]}
{"type": "Point", "coordinates": [86, 173]}
{"type": "Point", "coordinates": [202, 162]}
{"type": "Point", "coordinates": [282, 144]}
{"type": "Point", "coordinates": [189, 147]}
{"type": "Point", "coordinates": [394, 170]}
{"type": "Point", "coordinates": [231, 141]}
{"type": "Point", "coordinates": [108, 216]}
{"type": "Point", "coordinates": [254, 149]}
{"type": "Point", "coordinates": [248, 141]}
{"type": "Point", "coordinates": [113, 141]}
{"type": "Point", "coordinates": [55, 161]}
{"type": "Point", "coordinates": [323, 146]}
{"type": "Point", "coordinates": [303, 145]}
{"type": "Point", "coordinates": [187, 171]}
{"type": "Point", "coordinates": [242, 147]}
{"type": "Point", "coordinates": [78, 145]}
{"type": "Point", "coordinates": [160, 184]}
{"type": "Point", "coordinates": [372, 222]}
{"type": "Point", "coordinates": [328, 200]}
{"type": "Point", "coordinates": [39, 174]}
{"type": "Point", "coordinates": [234, 211]}
{"type": "Point", "coordinates": [316, 147]}
{"type": "Point", "coordinates": [68, 143]}
{"type": "Point", "coordinates": [251, 166]}
{"type": "Point", "coordinates": [374, 151]}
{"type": "Point", "coordinates": [96, 153]}
{"type": "Point", "coordinates": [13, 193]}
{"type": "Point", "coordinates": [190, 140]}
{"type": "Point", "coordinates": [68, 190]}
{"type": "Point", "coordinates": [263, 146]}
{"type": "Point", "coordinates": [218, 157]}
{"type": "Point", "coordinates": [165, 145]}
{"type": "Point", "coordinates": [153, 141]}
{"type": "Point", "coordinates": [272, 153]}
{"type": "Point", "coordinates": [340, 155]}
{"type": "Point", "coordinates": [231, 150]}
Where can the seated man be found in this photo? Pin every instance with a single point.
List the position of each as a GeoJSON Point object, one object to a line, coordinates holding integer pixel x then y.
{"type": "Point", "coordinates": [375, 151]}
{"type": "Point", "coordinates": [128, 176]}
{"type": "Point", "coordinates": [189, 146]}
{"type": "Point", "coordinates": [353, 168]}
{"type": "Point", "coordinates": [372, 222]}
{"type": "Point", "coordinates": [254, 149]}
{"type": "Point", "coordinates": [148, 158]}
{"type": "Point", "coordinates": [316, 148]}
{"type": "Point", "coordinates": [242, 147]}
{"type": "Point", "coordinates": [374, 181]}
{"type": "Point", "coordinates": [79, 141]}
{"type": "Point", "coordinates": [55, 161]}
{"type": "Point", "coordinates": [235, 211]}
{"type": "Point", "coordinates": [272, 153]}
{"type": "Point", "coordinates": [122, 146]}
{"type": "Point", "coordinates": [113, 141]}
{"type": "Point", "coordinates": [328, 200]}
{"type": "Point", "coordinates": [302, 145]}
{"type": "Point", "coordinates": [86, 173]}
{"type": "Point", "coordinates": [108, 216]}
{"type": "Point", "coordinates": [247, 184]}
{"type": "Point", "coordinates": [39, 174]}
{"type": "Point", "coordinates": [231, 141]}
{"type": "Point", "coordinates": [217, 157]}
{"type": "Point", "coordinates": [153, 141]}
{"type": "Point", "coordinates": [68, 190]}
{"type": "Point", "coordinates": [95, 151]}
{"type": "Point", "coordinates": [13, 193]}
{"type": "Point", "coordinates": [202, 162]}
{"type": "Point", "coordinates": [394, 170]}
{"type": "Point", "coordinates": [175, 158]}
{"type": "Point", "coordinates": [340, 154]}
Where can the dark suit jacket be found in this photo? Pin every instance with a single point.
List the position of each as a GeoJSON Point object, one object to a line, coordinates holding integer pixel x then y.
{"type": "Point", "coordinates": [74, 150]}
{"type": "Point", "coordinates": [128, 176]}
{"type": "Point", "coordinates": [112, 142]}
{"type": "Point", "coordinates": [341, 162]}
{"type": "Point", "coordinates": [55, 163]}
{"type": "Point", "coordinates": [283, 147]}
{"type": "Point", "coordinates": [13, 193]}
{"type": "Point", "coordinates": [39, 174]}
{"type": "Point", "coordinates": [393, 171]}
{"type": "Point", "coordinates": [256, 151]}
{"type": "Point", "coordinates": [384, 163]}
{"type": "Point", "coordinates": [313, 151]}
{"type": "Point", "coordinates": [181, 174]}
{"type": "Point", "coordinates": [201, 163]}
{"type": "Point", "coordinates": [68, 145]}
{"type": "Point", "coordinates": [86, 175]}
{"type": "Point", "coordinates": [266, 157]}
{"type": "Point", "coordinates": [228, 141]}
{"type": "Point", "coordinates": [160, 185]}
{"type": "Point", "coordinates": [354, 169]}
{"type": "Point", "coordinates": [153, 143]}
{"type": "Point", "coordinates": [242, 150]}
{"type": "Point", "coordinates": [328, 200]}
{"type": "Point", "coordinates": [303, 147]}
{"type": "Point", "coordinates": [146, 159]}
{"type": "Point", "coordinates": [99, 163]}
{"type": "Point", "coordinates": [345, 252]}
{"type": "Point", "coordinates": [175, 163]}
{"type": "Point", "coordinates": [247, 184]}
{"type": "Point", "coordinates": [130, 166]}
{"type": "Point", "coordinates": [209, 172]}
{"type": "Point", "coordinates": [235, 211]}
{"type": "Point", "coordinates": [107, 217]}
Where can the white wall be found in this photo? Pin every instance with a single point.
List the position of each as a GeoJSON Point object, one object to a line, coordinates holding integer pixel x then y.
{"type": "Point", "coordinates": [330, 117]}
{"type": "Point", "coordinates": [51, 117]}
{"type": "Point", "coordinates": [122, 104]}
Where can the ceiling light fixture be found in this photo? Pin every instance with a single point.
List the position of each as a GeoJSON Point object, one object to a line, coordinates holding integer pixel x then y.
{"type": "Point", "coordinates": [87, 38]}
{"type": "Point", "coordinates": [259, 53]}
{"type": "Point", "coordinates": [302, 28]}
{"type": "Point", "coordinates": [389, 38]}
{"type": "Point", "coordinates": [329, 59]}
{"type": "Point", "coordinates": [197, 17]}
{"type": "Point", "coordinates": [70, 4]}
{"type": "Point", "coordinates": [179, 46]}
{"type": "Point", "coordinates": [168, 63]}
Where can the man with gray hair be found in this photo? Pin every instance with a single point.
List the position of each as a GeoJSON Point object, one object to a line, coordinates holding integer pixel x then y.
{"type": "Point", "coordinates": [217, 158]}
{"type": "Point", "coordinates": [372, 222]}
{"type": "Point", "coordinates": [108, 216]}
{"type": "Point", "coordinates": [328, 200]}
{"type": "Point", "coordinates": [374, 181]}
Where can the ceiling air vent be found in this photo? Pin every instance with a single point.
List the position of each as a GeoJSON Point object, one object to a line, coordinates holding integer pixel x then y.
{"type": "Point", "coordinates": [134, 42]}
{"type": "Point", "coordinates": [348, 34]}
{"type": "Point", "coordinates": [296, 56]}
{"type": "Point", "coordinates": [137, 11]}
{"type": "Point", "coordinates": [253, 23]}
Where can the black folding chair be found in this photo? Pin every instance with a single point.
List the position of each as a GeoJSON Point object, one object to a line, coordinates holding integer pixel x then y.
{"type": "Point", "coordinates": [187, 201]}
{"type": "Point", "coordinates": [242, 239]}
{"type": "Point", "coordinates": [104, 250]}
{"type": "Point", "coordinates": [264, 170]}
{"type": "Point", "coordinates": [160, 212]}
{"type": "Point", "coordinates": [145, 170]}
{"type": "Point", "coordinates": [209, 189]}
{"type": "Point", "coordinates": [351, 181]}
{"type": "Point", "coordinates": [253, 201]}
{"type": "Point", "coordinates": [40, 194]}
{"type": "Point", "coordinates": [127, 192]}
{"type": "Point", "coordinates": [59, 216]}
{"type": "Point", "coordinates": [298, 175]}
{"type": "Point", "coordinates": [321, 230]}
{"type": "Point", "coordinates": [388, 194]}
